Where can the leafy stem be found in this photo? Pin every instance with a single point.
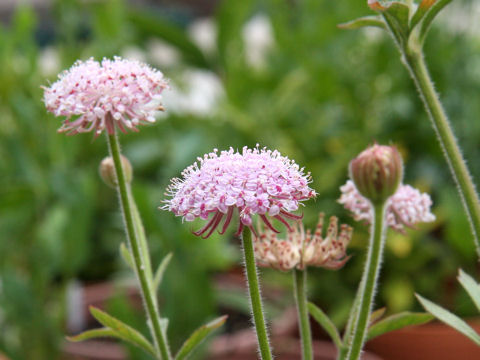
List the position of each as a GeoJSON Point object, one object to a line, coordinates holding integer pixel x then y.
{"type": "Point", "coordinates": [138, 251]}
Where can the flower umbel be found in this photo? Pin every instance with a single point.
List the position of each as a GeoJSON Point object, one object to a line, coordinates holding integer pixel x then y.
{"type": "Point", "coordinates": [255, 181]}
{"type": "Point", "coordinates": [101, 95]}
{"type": "Point", "coordinates": [406, 207]}
{"type": "Point", "coordinates": [300, 249]}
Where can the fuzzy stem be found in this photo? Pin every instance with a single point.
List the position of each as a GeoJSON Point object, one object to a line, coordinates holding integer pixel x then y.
{"type": "Point", "coordinates": [300, 281]}
{"type": "Point", "coordinates": [369, 281]}
{"type": "Point", "coordinates": [255, 297]}
{"type": "Point", "coordinates": [415, 63]}
{"type": "Point", "coordinates": [141, 271]}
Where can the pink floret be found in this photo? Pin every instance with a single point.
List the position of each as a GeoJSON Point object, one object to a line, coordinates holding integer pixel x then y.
{"type": "Point", "coordinates": [406, 207]}
{"type": "Point", "coordinates": [94, 96]}
{"type": "Point", "coordinates": [256, 182]}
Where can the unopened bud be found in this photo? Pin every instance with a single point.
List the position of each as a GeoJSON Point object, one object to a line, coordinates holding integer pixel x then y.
{"type": "Point", "coordinates": [107, 171]}
{"type": "Point", "coordinates": [377, 172]}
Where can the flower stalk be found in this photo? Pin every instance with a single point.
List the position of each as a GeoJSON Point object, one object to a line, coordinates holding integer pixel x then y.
{"type": "Point", "coordinates": [300, 285]}
{"type": "Point", "coordinates": [369, 281]}
{"type": "Point", "coordinates": [415, 63]}
{"type": "Point", "coordinates": [139, 256]}
{"type": "Point", "coordinates": [255, 297]}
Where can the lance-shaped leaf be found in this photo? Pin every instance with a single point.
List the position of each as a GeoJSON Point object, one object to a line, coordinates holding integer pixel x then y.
{"type": "Point", "coordinates": [198, 336]}
{"type": "Point", "coordinates": [396, 15]}
{"type": "Point", "coordinates": [126, 256]}
{"type": "Point", "coordinates": [157, 279]}
{"type": "Point", "coordinates": [121, 330]}
{"type": "Point", "coordinates": [471, 286]}
{"type": "Point", "coordinates": [376, 315]}
{"type": "Point", "coordinates": [325, 323]}
{"type": "Point", "coordinates": [430, 15]}
{"type": "Point", "coordinates": [141, 342]}
{"type": "Point", "coordinates": [397, 321]}
{"type": "Point", "coordinates": [422, 9]}
{"type": "Point", "coordinates": [374, 21]}
{"type": "Point", "coordinates": [450, 319]}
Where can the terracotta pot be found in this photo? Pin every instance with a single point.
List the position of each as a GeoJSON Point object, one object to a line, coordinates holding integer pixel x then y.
{"type": "Point", "coordinates": [93, 350]}
{"type": "Point", "coordinates": [430, 341]}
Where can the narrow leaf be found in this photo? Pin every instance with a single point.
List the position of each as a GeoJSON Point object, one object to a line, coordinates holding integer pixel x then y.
{"type": "Point", "coordinates": [107, 332]}
{"type": "Point", "coordinates": [430, 15]}
{"type": "Point", "coordinates": [397, 321]}
{"type": "Point", "coordinates": [400, 13]}
{"type": "Point", "coordinates": [471, 286]}
{"type": "Point", "coordinates": [126, 256]}
{"type": "Point", "coordinates": [121, 329]}
{"type": "Point", "coordinates": [157, 279]}
{"type": "Point", "coordinates": [374, 21]}
{"type": "Point", "coordinates": [450, 319]}
{"type": "Point", "coordinates": [198, 336]}
{"type": "Point", "coordinates": [376, 315]}
{"type": "Point", "coordinates": [422, 9]}
{"type": "Point", "coordinates": [325, 323]}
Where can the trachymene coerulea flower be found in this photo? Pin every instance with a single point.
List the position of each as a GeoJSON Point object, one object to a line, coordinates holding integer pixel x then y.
{"type": "Point", "coordinates": [254, 181]}
{"type": "Point", "coordinates": [300, 249]}
{"type": "Point", "coordinates": [406, 207]}
{"type": "Point", "coordinates": [94, 96]}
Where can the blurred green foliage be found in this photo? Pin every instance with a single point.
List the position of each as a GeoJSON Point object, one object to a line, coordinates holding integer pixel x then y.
{"type": "Point", "coordinates": [320, 97]}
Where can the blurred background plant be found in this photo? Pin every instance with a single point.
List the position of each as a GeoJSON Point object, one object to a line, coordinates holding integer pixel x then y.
{"type": "Point", "coordinates": [273, 72]}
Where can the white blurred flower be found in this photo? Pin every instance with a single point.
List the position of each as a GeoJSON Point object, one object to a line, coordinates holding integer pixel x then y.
{"type": "Point", "coordinates": [161, 53]}
{"type": "Point", "coordinates": [49, 62]}
{"type": "Point", "coordinates": [258, 38]}
{"type": "Point", "coordinates": [134, 53]}
{"type": "Point", "coordinates": [199, 95]}
{"type": "Point", "coordinates": [203, 32]}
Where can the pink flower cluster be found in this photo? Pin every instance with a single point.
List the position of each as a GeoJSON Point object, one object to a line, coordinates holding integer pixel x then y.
{"type": "Point", "coordinates": [255, 181]}
{"type": "Point", "coordinates": [96, 96]}
{"type": "Point", "coordinates": [301, 249]}
{"type": "Point", "coordinates": [406, 207]}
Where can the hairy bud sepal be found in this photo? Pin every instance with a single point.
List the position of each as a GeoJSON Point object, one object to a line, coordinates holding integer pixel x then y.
{"type": "Point", "coordinates": [107, 171]}
{"type": "Point", "coordinates": [377, 172]}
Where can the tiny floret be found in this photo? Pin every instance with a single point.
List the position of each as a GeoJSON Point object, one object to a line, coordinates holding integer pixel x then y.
{"type": "Point", "coordinates": [406, 207]}
{"type": "Point", "coordinates": [94, 96]}
{"type": "Point", "coordinates": [301, 249]}
{"type": "Point", "coordinates": [256, 182]}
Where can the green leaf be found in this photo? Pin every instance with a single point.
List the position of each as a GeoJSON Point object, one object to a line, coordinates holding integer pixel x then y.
{"type": "Point", "coordinates": [126, 256]}
{"type": "Point", "coordinates": [107, 332]}
{"type": "Point", "coordinates": [430, 15]}
{"type": "Point", "coordinates": [198, 336]}
{"type": "Point", "coordinates": [422, 9]}
{"type": "Point", "coordinates": [376, 315]}
{"type": "Point", "coordinates": [471, 286]}
{"type": "Point", "coordinates": [450, 319]}
{"type": "Point", "coordinates": [152, 25]}
{"type": "Point", "coordinates": [374, 21]}
{"type": "Point", "coordinates": [122, 330]}
{"type": "Point", "coordinates": [397, 321]}
{"type": "Point", "coordinates": [398, 14]}
{"type": "Point", "coordinates": [325, 323]}
{"type": "Point", "coordinates": [157, 279]}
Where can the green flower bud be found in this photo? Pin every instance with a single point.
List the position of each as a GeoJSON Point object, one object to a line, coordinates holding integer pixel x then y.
{"type": "Point", "coordinates": [377, 172]}
{"type": "Point", "coordinates": [107, 171]}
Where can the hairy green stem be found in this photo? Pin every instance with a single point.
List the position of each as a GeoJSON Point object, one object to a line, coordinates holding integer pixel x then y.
{"type": "Point", "coordinates": [255, 297]}
{"type": "Point", "coordinates": [415, 63]}
{"type": "Point", "coordinates": [369, 281]}
{"type": "Point", "coordinates": [300, 281]}
{"type": "Point", "coordinates": [135, 246]}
